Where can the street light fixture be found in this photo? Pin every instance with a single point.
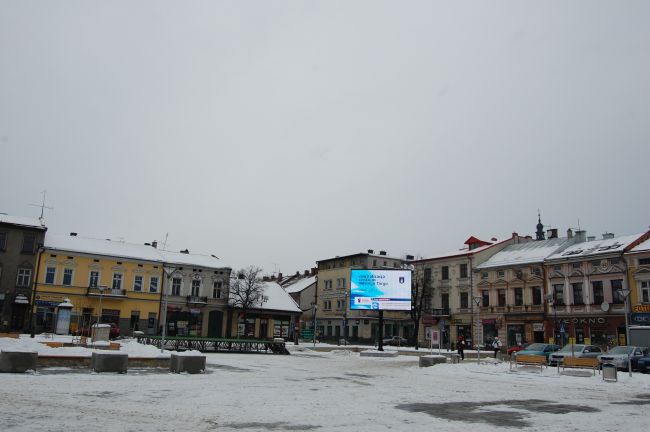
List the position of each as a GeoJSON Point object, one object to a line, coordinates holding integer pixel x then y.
{"type": "Point", "coordinates": [625, 293]}
{"type": "Point", "coordinates": [477, 301]}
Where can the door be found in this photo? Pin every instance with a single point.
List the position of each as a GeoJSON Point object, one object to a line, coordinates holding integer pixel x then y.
{"type": "Point", "coordinates": [215, 322]}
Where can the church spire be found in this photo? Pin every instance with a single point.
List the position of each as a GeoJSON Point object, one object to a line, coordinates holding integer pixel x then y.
{"type": "Point", "coordinates": [540, 228]}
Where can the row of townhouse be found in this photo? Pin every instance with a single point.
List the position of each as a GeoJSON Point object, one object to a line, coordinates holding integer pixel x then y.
{"type": "Point", "coordinates": [132, 286]}
{"type": "Point", "coordinates": [522, 289]}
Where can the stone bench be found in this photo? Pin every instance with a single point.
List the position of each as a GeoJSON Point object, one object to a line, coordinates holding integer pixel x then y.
{"type": "Point", "coordinates": [18, 361]}
{"type": "Point", "coordinates": [372, 353]}
{"type": "Point", "coordinates": [109, 362]}
{"type": "Point", "coordinates": [432, 360]}
{"type": "Point", "coordinates": [187, 362]}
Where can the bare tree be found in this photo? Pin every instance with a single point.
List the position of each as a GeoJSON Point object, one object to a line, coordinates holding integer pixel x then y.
{"type": "Point", "coordinates": [246, 290]}
{"type": "Point", "coordinates": [418, 296]}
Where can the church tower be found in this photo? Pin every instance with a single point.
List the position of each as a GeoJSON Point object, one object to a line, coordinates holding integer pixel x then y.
{"type": "Point", "coordinates": [539, 235]}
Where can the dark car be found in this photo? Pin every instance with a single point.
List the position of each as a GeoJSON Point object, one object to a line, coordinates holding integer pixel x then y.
{"type": "Point", "coordinates": [516, 348]}
{"type": "Point", "coordinates": [114, 332]}
{"type": "Point", "coordinates": [396, 340]}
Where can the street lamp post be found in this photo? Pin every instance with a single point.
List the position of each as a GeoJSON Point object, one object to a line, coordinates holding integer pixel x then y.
{"type": "Point", "coordinates": [625, 293]}
{"type": "Point", "coordinates": [551, 302]}
{"type": "Point", "coordinates": [477, 302]}
{"type": "Point", "coordinates": [314, 325]}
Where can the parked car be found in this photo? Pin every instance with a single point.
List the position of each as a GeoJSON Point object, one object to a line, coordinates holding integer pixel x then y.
{"type": "Point", "coordinates": [540, 349]}
{"type": "Point", "coordinates": [576, 350]}
{"type": "Point", "coordinates": [114, 332]}
{"type": "Point", "coordinates": [618, 356]}
{"type": "Point", "coordinates": [396, 340]}
{"type": "Point", "coordinates": [642, 364]}
{"type": "Point", "coordinates": [516, 348]}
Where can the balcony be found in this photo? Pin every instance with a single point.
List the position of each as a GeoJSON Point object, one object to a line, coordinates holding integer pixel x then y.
{"type": "Point", "coordinates": [106, 292]}
{"type": "Point", "coordinates": [442, 312]}
{"type": "Point", "coordinates": [196, 300]}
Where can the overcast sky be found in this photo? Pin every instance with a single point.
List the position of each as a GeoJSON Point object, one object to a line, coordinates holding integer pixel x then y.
{"type": "Point", "coordinates": [280, 133]}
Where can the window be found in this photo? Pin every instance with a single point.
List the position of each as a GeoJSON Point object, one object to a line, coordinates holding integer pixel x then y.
{"type": "Point", "coordinates": [24, 277]}
{"type": "Point", "coordinates": [616, 285]}
{"type": "Point", "coordinates": [374, 263]}
{"type": "Point", "coordinates": [501, 273]}
{"type": "Point", "coordinates": [445, 301]}
{"type": "Point", "coordinates": [153, 284]}
{"type": "Point", "coordinates": [328, 284]}
{"type": "Point", "coordinates": [339, 304]}
{"type": "Point", "coordinates": [645, 291]}
{"type": "Point", "coordinates": [3, 241]}
{"type": "Point", "coordinates": [445, 272]}
{"type": "Point", "coordinates": [464, 300]}
{"type": "Point", "coordinates": [196, 288]}
{"type": "Point", "coordinates": [216, 289]}
{"type": "Point", "coordinates": [537, 271]}
{"type": "Point", "coordinates": [463, 270]}
{"type": "Point", "coordinates": [576, 265]}
{"type": "Point", "coordinates": [502, 297]}
{"type": "Point", "coordinates": [327, 304]}
{"type": "Point", "coordinates": [28, 243]}
{"type": "Point", "coordinates": [137, 283]}
{"type": "Point", "coordinates": [50, 275]}
{"type": "Point", "coordinates": [537, 296]}
{"type": "Point", "coordinates": [642, 261]}
{"type": "Point", "coordinates": [340, 283]}
{"type": "Point", "coordinates": [599, 297]}
{"type": "Point", "coordinates": [519, 296]}
{"type": "Point", "coordinates": [486, 298]}
{"type": "Point", "coordinates": [484, 275]}
{"type": "Point", "coordinates": [558, 294]}
{"type": "Point", "coordinates": [67, 277]}
{"type": "Point", "coordinates": [595, 263]}
{"type": "Point", "coordinates": [117, 281]}
{"type": "Point", "coordinates": [176, 286]}
{"type": "Point", "coordinates": [427, 275]}
{"type": "Point", "coordinates": [577, 293]}
{"type": "Point", "coordinates": [93, 281]}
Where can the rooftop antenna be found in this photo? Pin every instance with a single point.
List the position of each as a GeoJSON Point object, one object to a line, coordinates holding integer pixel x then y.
{"type": "Point", "coordinates": [275, 267]}
{"type": "Point", "coordinates": [578, 224]}
{"type": "Point", "coordinates": [42, 206]}
{"type": "Point", "coordinates": [165, 242]}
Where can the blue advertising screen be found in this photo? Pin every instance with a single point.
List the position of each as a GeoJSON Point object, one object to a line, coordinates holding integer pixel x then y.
{"type": "Point", "coordinates": [380, 290]}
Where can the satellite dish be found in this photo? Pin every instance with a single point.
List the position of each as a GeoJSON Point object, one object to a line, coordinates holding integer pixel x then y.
{"type": "Point", "coordinates": [604, 306]}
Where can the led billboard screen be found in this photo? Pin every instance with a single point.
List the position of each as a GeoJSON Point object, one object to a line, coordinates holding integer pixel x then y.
{"type": "Point", "coordinates": [380, 290]}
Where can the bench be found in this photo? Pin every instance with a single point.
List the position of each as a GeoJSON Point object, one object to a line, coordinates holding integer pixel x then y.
{"type": "Point", "coordinates": [577, 362]}
{"type": "Point", "coordinates": [529, 360]}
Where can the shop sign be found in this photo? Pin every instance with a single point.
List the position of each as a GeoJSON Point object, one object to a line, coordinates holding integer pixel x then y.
{"type": "Point", "coordinates": [489, 321]}
{"type": "Point", "coordinates": [583, 321]}
{"type": "Point", "coordinates": [458, 321]}
{"type": "Point", "coordinates": [47, 303]}
{"type": "Point", "coordinates": [641, 318]}
{"type": "Point", "coordinates": [429, 320]}
{"type": "Point", "coordinates": [537, 327]}
{"type": "Point", "coordinates": [641, 308]}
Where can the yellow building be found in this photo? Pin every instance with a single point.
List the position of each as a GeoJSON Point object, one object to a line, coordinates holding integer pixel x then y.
{"type": "Point", "coordinates": [111, 281]}
{"type": "Point", "coordinates": [638, 273]}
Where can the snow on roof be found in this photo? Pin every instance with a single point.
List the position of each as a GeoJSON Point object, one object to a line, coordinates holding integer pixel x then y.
{"type": "Point", "coordinates": [300, 285]}
{"type": "Point", "coordinates": [120, 249]}
{"type": "Point", "coordinates": [278, 299]}
{"type": "Point", "coordinates": [524, 253]}
{"type": "Point", "coordinates": [21, 221]}
{"type": "Point", "coordinates": [595, 247]}
{"type": "Point", "coordinates": [642, 247]}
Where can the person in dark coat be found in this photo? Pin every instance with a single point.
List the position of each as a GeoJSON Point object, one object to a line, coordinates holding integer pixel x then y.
{"type": "Point", "coordinates": [496, 345]}
{"type": "Point", "coordinates": [461, 347]}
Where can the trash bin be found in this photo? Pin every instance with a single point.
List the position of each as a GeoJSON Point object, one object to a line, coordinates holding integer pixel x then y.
{"type": "Point", "coordinates": [609, 372]}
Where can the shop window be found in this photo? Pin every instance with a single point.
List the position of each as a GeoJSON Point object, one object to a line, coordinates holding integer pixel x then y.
{"type": "Point", "coordinates": [135, 320]}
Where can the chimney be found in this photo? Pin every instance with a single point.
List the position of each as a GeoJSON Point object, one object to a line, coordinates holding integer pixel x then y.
{"type": "Point", "coordinates": [279, 276]}
{"type": "Point", "coordinates": [185, 251]}
{"type": "Point", "coordinates": [382, 253]}
{"type": "Point", "coordinates": [73, 234]}
{"type": "Point", "coordinates": [569, 233]}
{"type": "Point", "coordinates": [265, 278]}
{"type": "Point", "coordinates": [306, 273]}
{"type": "Point", "coordinates": [493, 239]}
{"type": "Point", "coordinates": [551, 233]}
{"type": "Point", "coordinates": [581, 236]}
{"type": "Point", "coordinates": [155, 244]}
{"type": "Point", "coordinates": [370, 251]}
{"type": "Point", "coordinates": [314, 271]}
{"type": "Point", "coordinates": [607, 236]}
{"type": "Point", "coordinates": [147, 244]}
{"type": "Point", "coordinates": [409, 257]}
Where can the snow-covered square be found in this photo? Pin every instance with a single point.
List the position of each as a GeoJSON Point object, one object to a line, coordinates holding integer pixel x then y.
{"type": "Point", "coordinates": [322, 391]}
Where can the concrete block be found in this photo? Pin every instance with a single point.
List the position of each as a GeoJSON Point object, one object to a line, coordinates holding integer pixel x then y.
{"type": "Point", "coordinates": [372, 353]}
{"type": "Point", "coordinates": [190, 363]}
{"type": "Point", "coordinates": [18, 361]}
{"type": "Point", "coordinates": [455, 358]}
{"type": "Point", "coordinates": [109, 362]}
{"type": "Point", "coordinates": [432, 360]}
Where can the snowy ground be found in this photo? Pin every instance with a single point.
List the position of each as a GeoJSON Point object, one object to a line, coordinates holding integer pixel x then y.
{"type": "Point", "coordinates": [336, 391]}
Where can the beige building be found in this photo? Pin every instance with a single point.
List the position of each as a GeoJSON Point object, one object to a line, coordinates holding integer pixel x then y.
{"type": "Point", "coordinates": [638, 270]}
{"type": "Point", "coordinates": [448, 281]}
{"type": "Point", "coordinates": [334, 319]}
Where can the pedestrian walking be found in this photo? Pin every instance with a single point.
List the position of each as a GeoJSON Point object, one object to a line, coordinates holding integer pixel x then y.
{"type": "Point", "coordinates": [496, 345]}
{"type": "Point", "coordinates": [461, 347]}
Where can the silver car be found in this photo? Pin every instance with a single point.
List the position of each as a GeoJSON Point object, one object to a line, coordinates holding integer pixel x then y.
{"type": "Point", "coordinates": [577, 351]}
{"type": "Point", "coordinates": [618, 356]}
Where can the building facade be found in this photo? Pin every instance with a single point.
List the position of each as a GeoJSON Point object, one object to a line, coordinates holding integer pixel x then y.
{"type": "Point", "coordinates": [638, 274]}
{"type": "Point", "coordinates": [20, 240]}
{"type": "Point", "coordinates": [334, 319]}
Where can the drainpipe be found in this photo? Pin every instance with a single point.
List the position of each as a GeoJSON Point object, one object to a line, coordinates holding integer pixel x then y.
{"type": "Point", "coordinates": [39, 252]}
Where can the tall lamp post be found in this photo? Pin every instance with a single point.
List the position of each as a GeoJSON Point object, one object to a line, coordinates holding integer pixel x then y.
{"type": "Point", "coordinates": [551, 302]}
{"type": "Point", "coordinates": [625, 293]}
{"type": "Point", "coordinates": [477, 302]}
{"type": "Point", "coordinates": [169, 271]}
{"type": "Point", "coordinates": [315, 306]}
